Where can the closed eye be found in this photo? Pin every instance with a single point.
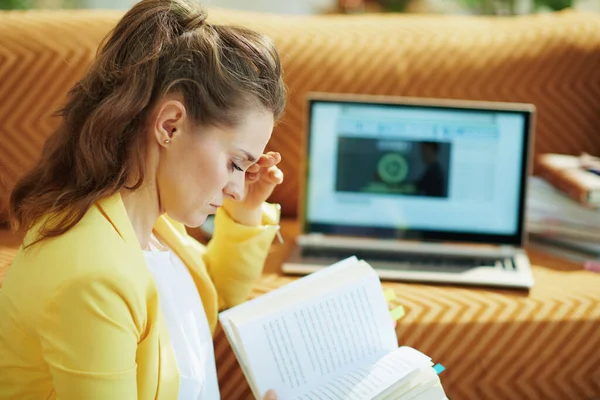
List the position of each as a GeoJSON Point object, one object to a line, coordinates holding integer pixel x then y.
{"type": "Point", "coordinates": [235, 167]}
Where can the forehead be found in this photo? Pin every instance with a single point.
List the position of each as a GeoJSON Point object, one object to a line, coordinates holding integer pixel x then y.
{"type": "Point", "coordinates": [252, 132]}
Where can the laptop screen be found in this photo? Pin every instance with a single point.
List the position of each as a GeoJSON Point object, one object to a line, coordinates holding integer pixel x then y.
{"type": "Point", "coordinates": [432, 172]}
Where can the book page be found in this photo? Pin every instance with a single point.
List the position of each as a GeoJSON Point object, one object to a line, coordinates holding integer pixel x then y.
{"type": "Point", "coordinates": [414, 385]}
{"type": "Point", "coordinates": [288, 294]}
{"type": "Point", "coordinates": [368, 381]}
{"type": "Point", "coordinates": [279, 297]}
{"type": "Point", "coordinates": [295, 350]}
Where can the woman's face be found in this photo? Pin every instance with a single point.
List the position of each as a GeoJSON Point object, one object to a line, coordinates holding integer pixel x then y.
{"type": "Point", "coordinates": [200, 167]}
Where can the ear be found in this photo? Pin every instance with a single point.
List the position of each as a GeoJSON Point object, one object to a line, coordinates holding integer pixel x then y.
{"type": "Point", "coordinates": [170, 119]}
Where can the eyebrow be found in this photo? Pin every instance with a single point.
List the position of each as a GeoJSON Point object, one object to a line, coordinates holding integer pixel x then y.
{"type": "Point", "coordinates": [249, 156]}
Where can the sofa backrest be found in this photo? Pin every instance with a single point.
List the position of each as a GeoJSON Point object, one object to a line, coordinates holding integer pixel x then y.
{"type": "Point", "coordinates": [550, 60]}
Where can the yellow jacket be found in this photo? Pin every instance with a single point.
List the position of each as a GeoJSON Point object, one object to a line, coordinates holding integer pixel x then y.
{"type": "Point", "coordinates": [80, 315]}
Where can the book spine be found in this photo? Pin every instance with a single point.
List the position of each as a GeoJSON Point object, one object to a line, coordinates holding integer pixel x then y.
{"type": "Point", "coordinates": [559, 230]}
{"type": "Point", "coordinates": [564, 183]}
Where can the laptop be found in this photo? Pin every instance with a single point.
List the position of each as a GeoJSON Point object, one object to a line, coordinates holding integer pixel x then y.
{"type": "Point", "coordinates": [424, 190]}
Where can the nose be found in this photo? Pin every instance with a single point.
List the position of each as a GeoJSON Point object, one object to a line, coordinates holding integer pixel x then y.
{"type": "Point", "coordinates": [235, 187]}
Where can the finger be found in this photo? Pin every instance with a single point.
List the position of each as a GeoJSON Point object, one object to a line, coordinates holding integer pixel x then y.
{"type": "Point", "coordinates": [253, 168]}
{"type": "Point", "coordinates": [265, 161]}
{"type": "Point", "coordinates": [275, 155]}
{"type": "Point", "coordinates": [269, 159]}
{"type": "Point", "coordinates": [270, 395]}
{"type": "Point", "coordinates": [268, 176]}
{"type": "Point", "coordinates": [275, 175]}
{"type": "Point", "coordinates": [252, 176]}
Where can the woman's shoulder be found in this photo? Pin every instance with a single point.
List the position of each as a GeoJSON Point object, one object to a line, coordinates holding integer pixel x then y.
{"type": "Point", "coordinates": [92, 250]}
{"type": "Point", "coordinates": [90, 261]}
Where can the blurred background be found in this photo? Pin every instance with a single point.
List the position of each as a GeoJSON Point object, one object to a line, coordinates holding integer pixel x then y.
{"type": "Point", "coordinates": [310, 7]}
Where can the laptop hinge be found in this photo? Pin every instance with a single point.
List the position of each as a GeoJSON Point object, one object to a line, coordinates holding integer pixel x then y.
{"type": "Point", "coordinates": [317, 240]}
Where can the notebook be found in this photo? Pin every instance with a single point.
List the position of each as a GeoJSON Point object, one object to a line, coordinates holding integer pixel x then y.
{"type": "Point", "coordinates": [328, 336]}
{"type": "Point", "coordinates": [428, 190]}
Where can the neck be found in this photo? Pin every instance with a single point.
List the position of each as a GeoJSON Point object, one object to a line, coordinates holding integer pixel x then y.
{"type": "Point", "coordinates": [143, 209]}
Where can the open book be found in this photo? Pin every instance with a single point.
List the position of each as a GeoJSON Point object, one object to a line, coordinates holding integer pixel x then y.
{"type": "Point", "coordinates": [328, 335]}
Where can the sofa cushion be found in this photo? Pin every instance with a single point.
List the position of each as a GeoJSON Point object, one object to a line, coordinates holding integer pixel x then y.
{"type": "Point", "coordinates": [550, 60]}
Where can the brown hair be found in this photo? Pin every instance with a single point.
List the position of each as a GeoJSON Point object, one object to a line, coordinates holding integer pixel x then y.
{"type": "Point", "coordinates": [158, 47]}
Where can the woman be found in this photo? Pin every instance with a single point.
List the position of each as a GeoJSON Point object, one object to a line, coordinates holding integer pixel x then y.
{"type": "Point", "coordinates": [108, 298]}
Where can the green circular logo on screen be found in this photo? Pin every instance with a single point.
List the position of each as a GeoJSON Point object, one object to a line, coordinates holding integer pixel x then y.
{"type": "Point", "coordinates": [392, 168]}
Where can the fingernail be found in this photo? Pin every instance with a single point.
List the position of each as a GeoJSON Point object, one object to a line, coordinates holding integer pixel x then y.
{"type": "Point", "coordinates": [270, 395]}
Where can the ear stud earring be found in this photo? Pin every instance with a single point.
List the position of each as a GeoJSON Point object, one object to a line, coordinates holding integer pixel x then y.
{"type": "Point", "coordinates": [167, 141]}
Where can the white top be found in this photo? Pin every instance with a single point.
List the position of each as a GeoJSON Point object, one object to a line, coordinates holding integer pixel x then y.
{"type": "Point", "coordinates": [187, 325]}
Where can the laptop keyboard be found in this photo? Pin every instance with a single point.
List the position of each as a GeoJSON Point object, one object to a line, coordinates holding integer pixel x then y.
{"type": "Point", "coordinates": [407, 260]}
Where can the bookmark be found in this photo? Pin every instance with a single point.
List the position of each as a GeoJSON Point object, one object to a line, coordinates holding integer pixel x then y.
{"type": "Point", "coordinates": [439, 368]}
{"type": "Point", "coordinates": [389, 294]}
{"type": "Point", "coordinates": [279, 237]}
{"type": "Point", "coordinates": [397, 313]}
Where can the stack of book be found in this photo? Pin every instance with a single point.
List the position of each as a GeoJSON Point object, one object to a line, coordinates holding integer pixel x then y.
{"type": "Point", "coordinates": [563, 205]}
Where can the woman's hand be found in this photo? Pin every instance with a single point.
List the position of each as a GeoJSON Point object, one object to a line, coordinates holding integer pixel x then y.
{"type": "Point", "coordinates": [270, 395]}
{"type": "Point", "coordinates": [261, 179]}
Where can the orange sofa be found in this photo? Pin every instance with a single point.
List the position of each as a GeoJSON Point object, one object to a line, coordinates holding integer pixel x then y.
{"type": "Point", "coordinates": [496, 344]}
